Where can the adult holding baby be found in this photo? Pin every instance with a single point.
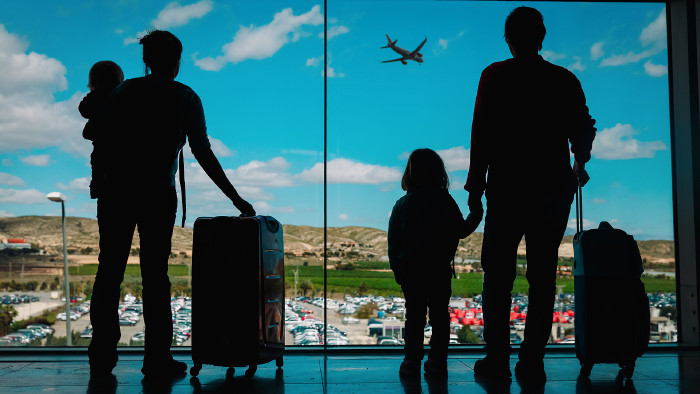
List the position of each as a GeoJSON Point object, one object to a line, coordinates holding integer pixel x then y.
{"type": "Point", "coordinates": [143, 127]}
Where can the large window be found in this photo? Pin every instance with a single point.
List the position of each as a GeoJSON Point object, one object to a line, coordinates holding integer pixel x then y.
{"type": "Point", "coordinates": [259, 70]}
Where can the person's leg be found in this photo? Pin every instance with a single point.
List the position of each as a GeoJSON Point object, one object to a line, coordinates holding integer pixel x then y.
{"type": "Point", "coordinates": [116, 225]}
{"type": "Point", "coordinates": [502, 235]}
{"type": "Point", "coordinates": [155, 225]}
{"type": "Point", "coordinates": [438, 302]}
{"type": "Point", "coordinates": [543, 236]}
{"type": "Point", "coordinates": [416, 308]}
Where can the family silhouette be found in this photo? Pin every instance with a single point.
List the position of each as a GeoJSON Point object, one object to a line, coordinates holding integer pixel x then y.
{"type": "Point", "coordinates": [530, 116]}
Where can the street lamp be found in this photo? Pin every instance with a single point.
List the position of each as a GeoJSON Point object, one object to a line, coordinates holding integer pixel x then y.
{"type": "Point", "coordinates": [58, 197]}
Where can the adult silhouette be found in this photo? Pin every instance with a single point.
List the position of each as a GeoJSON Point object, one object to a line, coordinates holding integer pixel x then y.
{"type": "Point", "coordinates": [526, 113]}
{"type": "Point", "coordinates": [143, 127]}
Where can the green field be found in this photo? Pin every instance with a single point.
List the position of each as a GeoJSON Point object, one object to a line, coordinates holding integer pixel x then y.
{"type": "Point", "coordinates": [468, 284]}
{"type": "Point", "coordinates": [131, 269]}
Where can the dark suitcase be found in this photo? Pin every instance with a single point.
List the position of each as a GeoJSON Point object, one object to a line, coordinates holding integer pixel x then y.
{"type": "Point", "coordinates": [607, 282]}
{"type": "Point", "coordinates": [237, 293]}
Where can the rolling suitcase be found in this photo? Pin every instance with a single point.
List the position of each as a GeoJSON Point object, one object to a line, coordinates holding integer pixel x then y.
{"type": "Point", "coordinates": [612, 307]}
{"type": "Point", "coordinates": [237, 293]}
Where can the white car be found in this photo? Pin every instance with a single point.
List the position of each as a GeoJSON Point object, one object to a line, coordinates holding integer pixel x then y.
{"type": "Point", "coordinates": [62, 316]}
{"type": "Point", "coordinates": [350, 320]}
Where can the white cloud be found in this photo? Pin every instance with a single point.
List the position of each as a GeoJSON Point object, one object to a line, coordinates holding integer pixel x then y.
{"type": "Point", "coordinates": [5, 214]}
{"type": "Point", "coordinates": [551, 56]}
{"type": "Point", "coordinates": [343, 216]}
{"type": "Point", "coordinates": [332, 73]}
{"type": "Point", "coordinates": [599, 201]}
{"type": "Point", "coordinates": [617, 143]}
{"type": "Point", "coordinates": [118, 31]}
{"type": "Point", "coordinates": [655, 32]}
{"type": "Point", "coordinates": [597, 50]}
{"type": "Point", "coordinates": [653, 37]}
{"type": "Point", "coordinates": [456, 159]}
{"type": "Point", "coordinates": [258, 43]}
{"type": "Point", "coordinates": [7, 162]}
{"type": "Point", "coordinates": [587, 224]}
{"type": "Point", "coordinates": [576, 65]}
{"type": "Point", "coordinates": [335, 31]}
{"type": "Point", "coordinates": [263, 208]}
{"type": "Point", "coordinates": [317, 61]}
{"type": "Point", "coordinates": [442, 43]}
{"type": "Point", "coordinates": [29, 196]}
{"type": "Point", "coordinates": [175, 15]}
{"type": "Point", "coordinates": [27, 73]}
{"type": "Point", "coordinates": [348, 171]}
{"type": "Point", "coordinates": [272, 173]}
{"type": "Point", "coordinates": [217, 146]}
{"type": "Point", "coordinates": [314, 61]}
{"type": "Point", "coordinates": [254, 193]}
{"type": "Point", "coordinates": [30, 117]}
{"type": "Point", "coordinates": [37, 160]}
{"type": "Point", "coordinates": [76, 185]}
{"type": "Point", "coordinates": [655, 70]}
{"type": "Point", "coordinates": [9, 179]}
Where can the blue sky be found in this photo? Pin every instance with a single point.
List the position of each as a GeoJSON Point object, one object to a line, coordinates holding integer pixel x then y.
{"type": "Point", "coordinates": [258, 68]}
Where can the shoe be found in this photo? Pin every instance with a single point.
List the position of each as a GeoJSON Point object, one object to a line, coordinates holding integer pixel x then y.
{"type": "Point", "coordinates": [490, 368]}
{"type": "Point", "coordinates": [435, 369]}
{"type": "Point", "coordinates": [409, 369]}
{"type": "Point", "coordinates": [167, 368]}
{"type": "Point", "coordinates": [530, 371]}
{"type": "Point", "coordinates": [102, 382]}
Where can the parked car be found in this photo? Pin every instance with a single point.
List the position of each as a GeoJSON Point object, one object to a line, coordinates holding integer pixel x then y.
{"type": "Point", "coordinates": [62, 316]}
{"type": "Point", "coordinates": [350, 320]}
{"type": "Point", "coordinates": [126, 322]}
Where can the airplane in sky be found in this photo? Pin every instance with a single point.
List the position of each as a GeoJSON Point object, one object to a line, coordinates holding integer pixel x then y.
{"type": "Point", "coordinates": [405, 55]}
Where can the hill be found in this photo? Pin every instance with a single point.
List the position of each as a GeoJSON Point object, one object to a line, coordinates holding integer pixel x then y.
{"type": "Point", "coordinates": [371, 243]}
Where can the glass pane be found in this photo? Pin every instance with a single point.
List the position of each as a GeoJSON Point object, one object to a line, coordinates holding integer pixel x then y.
{"type": "Point", "coordinates": [256, 72]}
{"type": "Point", "coordinates": [379, 113]}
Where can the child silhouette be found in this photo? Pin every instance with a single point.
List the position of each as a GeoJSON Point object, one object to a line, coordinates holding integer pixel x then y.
{"type": "Point", "coordinates": [424, 230]}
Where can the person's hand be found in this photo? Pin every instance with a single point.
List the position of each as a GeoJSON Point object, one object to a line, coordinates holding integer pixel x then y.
{"type": "Point", "coordinates": [475, 205]}
{"type": "Point", "coordinates": [245, 207]}
{"type": "Point", "coordinates": [472, 222]}
{"type": "Point", "coordinates": [580, 172]}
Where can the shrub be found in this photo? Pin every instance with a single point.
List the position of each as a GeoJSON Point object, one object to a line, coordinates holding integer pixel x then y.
{"type": "Point", "coordinates": [468, 336]}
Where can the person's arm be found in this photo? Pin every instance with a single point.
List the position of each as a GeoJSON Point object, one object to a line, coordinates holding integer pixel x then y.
{"type": "Point", "coordinates": [582, 133]}
{"type": "Point", "coordinates": [210, 164]}
{"type": "Point", "coordinates": [394, 242]}
{"type": "Point", "coordinates": [479, 149]}
{"type": "Point", "coordinates": [201, 148]}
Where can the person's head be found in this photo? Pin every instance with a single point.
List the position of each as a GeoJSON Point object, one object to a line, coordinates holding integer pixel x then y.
{"type": "Point", "coordinates": [105, 74]}
{"type": "Point", "coordinates": [524, 30]}
{"type": "Point", "coordinates": [424, 170]}
{"type": "Point", "coordinates": [161, 52]}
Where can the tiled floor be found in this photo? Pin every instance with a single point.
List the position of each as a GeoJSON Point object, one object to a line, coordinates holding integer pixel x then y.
{"type": "Point", "coordinates": [656, 372]}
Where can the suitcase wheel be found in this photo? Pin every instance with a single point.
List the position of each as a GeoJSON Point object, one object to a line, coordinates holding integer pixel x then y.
{"type": "Point", "coordinates": [251, 371]}
{"type": "Point", "coordinates": [194, 371]}
{"type": "Point", "coordinates": [279, 362]}
{"type": "Point", "coordinates": [586, 369]}
{"type": "Point", "coordinates": [229, 373]}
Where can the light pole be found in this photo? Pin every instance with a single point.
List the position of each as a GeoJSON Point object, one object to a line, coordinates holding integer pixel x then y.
{"type": "Point", "coordinates": [58, 197]}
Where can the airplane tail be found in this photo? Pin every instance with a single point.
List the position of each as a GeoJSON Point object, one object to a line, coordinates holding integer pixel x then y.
{"type": "Point", "coordinates": [390, 43]}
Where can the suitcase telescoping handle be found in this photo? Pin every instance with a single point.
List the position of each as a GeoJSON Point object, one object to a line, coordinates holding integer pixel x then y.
{"type": "Point", "coordinates": [579, 208]}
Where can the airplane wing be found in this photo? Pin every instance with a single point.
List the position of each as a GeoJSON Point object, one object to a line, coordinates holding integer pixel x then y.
{"type": "Point", "coordinates": [420, 46]}
{"type": "Point", "coordinates": [395, 60]}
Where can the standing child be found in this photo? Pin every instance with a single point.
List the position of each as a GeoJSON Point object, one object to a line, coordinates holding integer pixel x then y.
{"type": "Point", "coordinates": [103, 78]}
{"type": "Point", "coordinates": [424, 230]}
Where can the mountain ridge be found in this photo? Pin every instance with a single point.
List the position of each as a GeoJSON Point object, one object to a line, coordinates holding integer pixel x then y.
{"type": "Point", "coordinates": [364, 241]}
